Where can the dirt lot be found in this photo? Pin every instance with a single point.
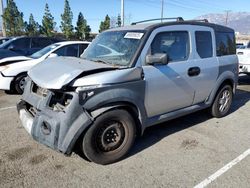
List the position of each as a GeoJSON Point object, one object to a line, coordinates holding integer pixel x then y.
{"type": "Point", "coordinates": [179, 153]}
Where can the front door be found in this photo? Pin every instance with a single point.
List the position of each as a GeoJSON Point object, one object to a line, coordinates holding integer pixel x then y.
{"type": "Point", "coordinates": [168, 87]}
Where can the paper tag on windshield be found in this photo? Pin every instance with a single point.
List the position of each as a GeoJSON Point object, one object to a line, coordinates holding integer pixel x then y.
{"type": "Point", "coordinates": [133, 35]}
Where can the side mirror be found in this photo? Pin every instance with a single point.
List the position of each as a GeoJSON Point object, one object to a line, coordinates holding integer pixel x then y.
{"type": "Point", "coordinates": [159, 59]}
{"type": "Point", "coordinates": [52, 55]}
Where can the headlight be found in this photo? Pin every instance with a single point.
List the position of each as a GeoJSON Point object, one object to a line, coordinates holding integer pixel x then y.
{"type": "Point", "coordinates": [2, 68]}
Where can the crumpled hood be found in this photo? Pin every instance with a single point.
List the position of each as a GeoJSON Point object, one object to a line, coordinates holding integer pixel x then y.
{"type": "Point", "coordinates": [54, 73]}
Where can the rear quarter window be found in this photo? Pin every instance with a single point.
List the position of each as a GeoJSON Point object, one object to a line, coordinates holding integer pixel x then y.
{"type": "Point", "coordinates": [225, 44]}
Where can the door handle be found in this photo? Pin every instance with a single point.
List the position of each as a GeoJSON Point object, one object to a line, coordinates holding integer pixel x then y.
{"type": "Point", "coordinates": [194, 71]}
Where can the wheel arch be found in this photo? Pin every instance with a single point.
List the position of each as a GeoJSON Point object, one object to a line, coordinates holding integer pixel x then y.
{"type": "Point", "coordinates": [128, 106]}
{"type": "Point", "coordinates": [226, 78]}
{"type": "Point", "coordinates": [12, 84]}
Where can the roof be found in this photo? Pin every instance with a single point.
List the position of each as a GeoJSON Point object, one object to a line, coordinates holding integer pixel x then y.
{"type": "Point", "coordinates": [151, 26]}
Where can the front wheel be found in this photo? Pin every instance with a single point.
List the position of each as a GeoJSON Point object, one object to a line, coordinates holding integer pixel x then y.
{"type": "Point", "coordinates": [222, 102]}
{"type": "Point", "coordinates": [19, 83]}
{"type": "Point", "coordinates": [110, 137]}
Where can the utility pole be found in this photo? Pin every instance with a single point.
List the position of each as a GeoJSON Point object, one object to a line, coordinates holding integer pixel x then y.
{"type": "Point", "coordinates": [2, 21]}
{"type": "Point", "coordinates": [227, 15]}
{"type": "Point", "coordinates": [122, 12]}
{"type": "Point", "coordinates": [162, 8]}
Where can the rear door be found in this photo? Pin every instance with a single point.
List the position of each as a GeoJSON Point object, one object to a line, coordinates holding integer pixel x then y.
{"type": "Point", "coordinates": [205, 59]}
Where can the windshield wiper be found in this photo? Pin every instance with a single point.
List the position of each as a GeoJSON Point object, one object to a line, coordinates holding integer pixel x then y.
{"type": "Point", "coordinates": [101, 61]}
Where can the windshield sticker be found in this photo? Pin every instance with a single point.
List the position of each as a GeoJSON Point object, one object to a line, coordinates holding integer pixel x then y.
{"type": "Point", "coordinates": [133, 35]}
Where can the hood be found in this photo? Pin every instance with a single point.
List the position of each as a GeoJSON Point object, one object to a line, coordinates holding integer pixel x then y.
{"type": "Point", "coordinates": [9, 60]}
{"type": "Point", "coordinates": [54, 73]}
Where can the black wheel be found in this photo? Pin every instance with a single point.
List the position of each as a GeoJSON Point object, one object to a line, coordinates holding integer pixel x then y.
{"type": "Point", "coordinates": [110, 137]}
{"type": "Point", "coordinates": [19, 83]}
{"type": "Point", "coordinates": [222, 102]}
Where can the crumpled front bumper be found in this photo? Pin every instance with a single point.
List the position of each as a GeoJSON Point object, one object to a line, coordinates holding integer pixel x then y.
{"type": "Point", "coordinates": [58, 129]}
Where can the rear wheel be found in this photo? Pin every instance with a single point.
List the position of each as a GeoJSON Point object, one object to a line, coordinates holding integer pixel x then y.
{"type": "Point", "coordinates": [19, 83]}
{"type": "Point", "coordinates": [110, 137]}
{"type": "Point", "coordinates": [222, 102]}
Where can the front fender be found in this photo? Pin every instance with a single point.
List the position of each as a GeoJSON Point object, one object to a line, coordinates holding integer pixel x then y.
{"type": "Point", "coordinates": [125, 94]}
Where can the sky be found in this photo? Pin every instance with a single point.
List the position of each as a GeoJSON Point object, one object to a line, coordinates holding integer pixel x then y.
{"type": "Point", "coordinates": [135, 10]}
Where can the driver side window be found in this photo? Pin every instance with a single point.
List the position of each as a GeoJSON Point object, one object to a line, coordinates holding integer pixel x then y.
{"type": "Point", "coordinates": [175, 44]}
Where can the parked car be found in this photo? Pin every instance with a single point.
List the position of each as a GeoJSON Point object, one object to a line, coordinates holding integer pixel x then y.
{"type": "Point", "coordinates": [13, 71]}
{"type": "Point", "coordinates": [24, 46]}
{"type": "Point", "coordinates": [4, 39]}
{"type": "Point", "coordinates": [244, 60]}
{"type": "Point", "coordinates": [154, 72]}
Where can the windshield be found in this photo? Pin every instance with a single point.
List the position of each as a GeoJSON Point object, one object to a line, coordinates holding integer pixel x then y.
{"type": "Point", "coordinates": [114, 47]}
{"type": "Point", "coordinates": [44, 51]}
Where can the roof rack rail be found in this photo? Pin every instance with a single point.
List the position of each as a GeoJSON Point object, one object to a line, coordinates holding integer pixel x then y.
{"type": "Point", "coordinates": [201, 20]}
{"type": "Point", "coordinates": [178, 19]}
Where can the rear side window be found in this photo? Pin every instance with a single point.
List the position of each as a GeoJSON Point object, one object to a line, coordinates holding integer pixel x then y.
{"type": "Point", "coordinates": [225, 44]}
{"type": "Point", "coordinates": [204, 45]}
{"type": "Point", "coordinates": [175, 44]}
{"type": "Point", "coordinates": [40, 42]}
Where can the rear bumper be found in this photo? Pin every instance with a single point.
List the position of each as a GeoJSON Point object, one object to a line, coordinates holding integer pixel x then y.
{"type": "Point", "coordinates": [5, 82]}
{"type": "Point", "coordinates": [57, 129]}
{"type": "Point", "coordinates": [244, 68]}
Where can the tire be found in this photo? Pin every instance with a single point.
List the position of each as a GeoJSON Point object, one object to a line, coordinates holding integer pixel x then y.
{"type": "Point", "coordinates": [19, 83]}
{"type": "Point", "coordinates": [222, 102]}
{"type": "Point", "coordinates": [110, 137]}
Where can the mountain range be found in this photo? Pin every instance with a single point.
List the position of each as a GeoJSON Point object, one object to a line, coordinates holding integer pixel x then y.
{"type": "Point", "coordinates": [239, 21]}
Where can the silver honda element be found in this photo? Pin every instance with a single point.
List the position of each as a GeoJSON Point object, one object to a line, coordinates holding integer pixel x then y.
{"type": "Point", "coordinates": [128, 79]}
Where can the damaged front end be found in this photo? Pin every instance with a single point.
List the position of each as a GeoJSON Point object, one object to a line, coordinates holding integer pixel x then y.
{"type": "Point", "coordinates": [53, 117]}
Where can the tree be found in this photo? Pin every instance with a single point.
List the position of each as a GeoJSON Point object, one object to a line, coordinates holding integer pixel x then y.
{"type": "Point", "coordinates": [48, 23]}
{"type": "Point", "coordinates": [105, 24]}
{"type": "Point", "coordinates": [82, 29]}
{"type": "Point", "coordinates": [13, 19]}
{"type": "Point", "coordinates": [66, 23]}
{"type": "Point", "coordinates": [32, 27]}
{"type": "Point", "coordinates": [119, 21]}
{"type": "Point", "coordinates": [87, 32]}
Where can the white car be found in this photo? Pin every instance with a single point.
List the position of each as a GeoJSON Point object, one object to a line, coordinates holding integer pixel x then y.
{"type": "Point", "coordinates": [13, 70]}
{"type": "Point", "coordinates": [244, 60]}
